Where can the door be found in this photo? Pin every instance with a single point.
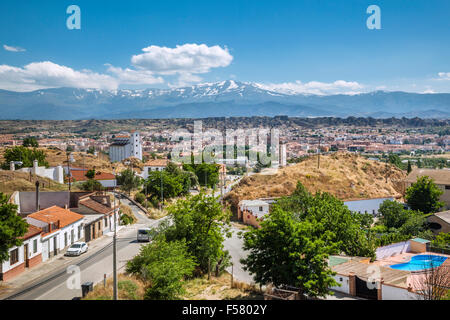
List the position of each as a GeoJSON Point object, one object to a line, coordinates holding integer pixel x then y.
{"type": "Point", "coordinates": [363, 291]}
{"type": "Point", "coordinates": [26, 255]}
{"type": "Point", "coordinates": [55, 246]}
{"type": "Point", "coordinates": [72, 236]}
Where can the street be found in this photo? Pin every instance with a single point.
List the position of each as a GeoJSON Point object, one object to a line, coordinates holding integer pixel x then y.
{"type": "Point", "coordinates": [93, 265]}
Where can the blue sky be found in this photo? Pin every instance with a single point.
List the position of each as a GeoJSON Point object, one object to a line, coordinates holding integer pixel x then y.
{"type": "Point", "coordinates": [311, 46]}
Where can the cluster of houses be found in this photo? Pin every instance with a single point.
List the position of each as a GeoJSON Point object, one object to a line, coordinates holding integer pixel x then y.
{"type": "Point", "coordinates": [358, 276]}
{"type": "Point", "coordinates": [55, 221]}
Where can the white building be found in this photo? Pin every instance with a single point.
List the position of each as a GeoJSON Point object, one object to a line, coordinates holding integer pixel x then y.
{"type": "Point", "coordinates": [25, 256]}
{"type": "Point", "coordinates": [54, 173]}
{"type": "Point", "coordinates": [61, 228]}
{"type": "Point", "coordinates": [258, 208]}
{"type": "Point", "coordinates": [124, 147]}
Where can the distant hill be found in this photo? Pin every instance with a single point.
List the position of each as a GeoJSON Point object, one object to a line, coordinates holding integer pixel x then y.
{"type": "Point", "coordinates": [221, 99]}
{"type": "Point", "coordinates": [346, 176]}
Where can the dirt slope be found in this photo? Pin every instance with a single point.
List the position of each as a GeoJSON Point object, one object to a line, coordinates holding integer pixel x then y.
{"type": "Point", "coordinates": [345, 175]}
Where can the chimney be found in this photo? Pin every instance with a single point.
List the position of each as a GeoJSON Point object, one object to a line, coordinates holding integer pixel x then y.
{"type": "Point", "coordinates": [12, 166]}
{"type": "Point", "coordinates": [37, 196]}
{"type": "Point", "coordinates": [35, 166]}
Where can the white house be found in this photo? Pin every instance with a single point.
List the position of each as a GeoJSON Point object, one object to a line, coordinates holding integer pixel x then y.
{"type": "Point", "coordinates": [153, 165]}
{"type": "Point", "coordinates": [54, 173]}
{"type": "Point", "coordinates": [258, 208]}
{"type": "Point", "coordinates": [61, 228]}
{"type": "Point", "coordinates": [124, 147]}
{"type": "Point", "coordinates": [26, 256]}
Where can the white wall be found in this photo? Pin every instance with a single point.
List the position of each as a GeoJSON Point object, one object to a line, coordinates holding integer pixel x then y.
{"type": "Point", "coordinates": [395, 293]}
{"type": "Point", "coordinates": [344, 284]}
{"type": "Point", "coordinates": [392, 249]}
{"type": "Point", "coordinates": [31, 254]}
{"type": "Point", "coordinates": [254, 209]}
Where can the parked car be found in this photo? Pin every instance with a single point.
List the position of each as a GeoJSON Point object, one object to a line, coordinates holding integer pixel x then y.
{"type": "Point", "coordinates": [77, 249]}
{"type": "Point", "coordinates": [143, 234]}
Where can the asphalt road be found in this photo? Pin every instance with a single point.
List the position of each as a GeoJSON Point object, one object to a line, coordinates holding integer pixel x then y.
{"type": "Point", "coordinates": [59, 285]}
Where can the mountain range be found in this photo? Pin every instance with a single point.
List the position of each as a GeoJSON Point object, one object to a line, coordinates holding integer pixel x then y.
{"type": "Point", "coordinates": [220, 99]}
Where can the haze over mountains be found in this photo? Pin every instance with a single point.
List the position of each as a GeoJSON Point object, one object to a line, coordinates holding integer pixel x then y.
{"type": "Point", "coordinates": [221, 99]}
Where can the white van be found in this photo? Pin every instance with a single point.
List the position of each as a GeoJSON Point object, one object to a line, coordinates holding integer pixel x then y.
{"type": "Point", "coordinates": [143, 234]}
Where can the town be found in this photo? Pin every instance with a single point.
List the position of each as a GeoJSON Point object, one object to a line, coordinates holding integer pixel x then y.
{"type": "Point", "coordinates": [70, 189]}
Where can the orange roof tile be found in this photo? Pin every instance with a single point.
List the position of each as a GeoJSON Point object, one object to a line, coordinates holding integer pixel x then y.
{"type": "Point", "coordinates": [31, 232]}
{"type": "Point", "coordinates": [156, 163]}
{"type": "Point", "coordinates": [96, 206]}
{"type": "Point", "coordinates": [80, 175]}
{"type": "Point", "coordinates": [55, 214]}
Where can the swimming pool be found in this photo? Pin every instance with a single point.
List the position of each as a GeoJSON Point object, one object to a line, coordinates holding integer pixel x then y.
{"type": "Point", "coordinates": [420, 262]}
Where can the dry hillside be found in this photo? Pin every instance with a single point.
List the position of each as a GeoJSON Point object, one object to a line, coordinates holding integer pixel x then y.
{"type": "Point", "coordinates": [11, 181]}
{"type": "Point", "coordinates": [101, 162]}
{"type": "Point", "coordinates": [346, 176]}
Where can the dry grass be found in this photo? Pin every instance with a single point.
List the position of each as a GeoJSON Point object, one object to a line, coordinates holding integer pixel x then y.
{"type": "Point", "coordinates": [344, 175]}
{"type": "Point", "coordinates": [100, 162]}
{"type": "Point", "coordinates": [220, 289]}
{"type": "Point", "coordinates": [11, 181]}
{"type": "Point", "coordinates": [126, 210]}
{"type": "Point", "coordinates": [130, 288]}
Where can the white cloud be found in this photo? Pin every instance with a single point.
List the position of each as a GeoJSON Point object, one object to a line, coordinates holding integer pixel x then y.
{"type": "Point", "coordinates": [41, 75]}
{"type": "Point", "coordinates": [184, 60]}
{"type": "Point", "coordinates": [444, 75]}
{"type": "Point", "coordinates": [314, 87]}
{"type": "Point", "coordinates": [13, 49]}
{"type": "Point", "coordinates": [130, 76]}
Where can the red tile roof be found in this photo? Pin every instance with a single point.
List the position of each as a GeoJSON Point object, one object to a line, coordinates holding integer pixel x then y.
{"type": "Point", "coordinates": [96, 206]}
{"type": "Point", "coordinates": [55, 214]}
{"type": "Point", "coordinates": [156, 163]}
{"type": "Point", "coordinates": [31, 232]}
{"type": "Point", "coordinates": [80, 175]}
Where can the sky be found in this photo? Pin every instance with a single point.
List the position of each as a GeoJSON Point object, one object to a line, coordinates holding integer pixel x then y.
{"type": "Point", "coordinates": [309, 46]}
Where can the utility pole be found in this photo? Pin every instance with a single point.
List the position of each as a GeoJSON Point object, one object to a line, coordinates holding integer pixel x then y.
{"type": "Point", "coordinates": [68, 168]}
{"type": "Point", "coordinates": [115, 243]}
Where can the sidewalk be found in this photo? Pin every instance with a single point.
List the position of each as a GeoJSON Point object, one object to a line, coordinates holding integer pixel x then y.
{"type": "Point", "coordinates": [57, 263]}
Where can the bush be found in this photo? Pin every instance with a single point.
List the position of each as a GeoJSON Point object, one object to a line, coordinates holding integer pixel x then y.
{"type": "Point", "coordinates": [140, 197]}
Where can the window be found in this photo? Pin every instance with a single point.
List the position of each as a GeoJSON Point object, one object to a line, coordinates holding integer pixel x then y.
{"type": "Point", "coordinates": [79, 232]}
{"type": "Point", "coordinates": [106, 222]}
{"type": "Point", "coordinates": [14, 256]}
{"type": "Point", "coordinates": [447, 187]}
{"type": "Point", "coordinates": [35, 246]}
{"type": "Point", "coordinates": [65, 239]}
{"type": "Point", "coordinates": [260, 208]}
{"type": "Point", "coordinates": [99, 225]}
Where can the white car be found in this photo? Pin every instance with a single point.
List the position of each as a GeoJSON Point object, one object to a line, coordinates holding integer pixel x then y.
{"type": "Point", "coordinates": [77, 249]}
{"type": "Point", "coordinates": [143, 234]}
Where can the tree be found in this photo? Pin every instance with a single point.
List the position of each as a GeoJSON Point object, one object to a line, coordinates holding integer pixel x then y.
{"type": "Point", "coordinates": [91, 185]}
{"type": "Point", "coordinates": [434, 282]}
{"type": "Point", "coordinates": [409, 169]}
{"type": "Point", "coordinates": [25, 155]}
{"type": "Point", "coordinates": [287, 252]}
{"type": "Point", "coordinates": [12, 227]}
{"type": "Point", "coordinates": [423, 195]}
{"type": "Point", "coordinates": [128, 181]}
{"type": "Point", "coordinates": [395, 160]}
{"type": "Point", "coordinates": [393, 214]}
{"type": "Point", "coordinates": [91, 150]}
{"type": "Point", "coordinates": [348, 229]}
{"type": "Point", "coordinates": [163, 265]}
{"type": "Point", "coordinates": [30, 142]}
{"type": "Point", "coordinates": [171, 185]}
{"type": "Point", "coordinates": [90, 174]}
{"type": "Point", "coordinates": [207, 174]}
{"type": "Point", "coordinates": [201, 222]}
{"type": "Point", "coordinates": [442, 240]}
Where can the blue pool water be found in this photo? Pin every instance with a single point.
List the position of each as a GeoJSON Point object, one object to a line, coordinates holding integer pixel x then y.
{"type": "Point", "coordinates": [420, 262]}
